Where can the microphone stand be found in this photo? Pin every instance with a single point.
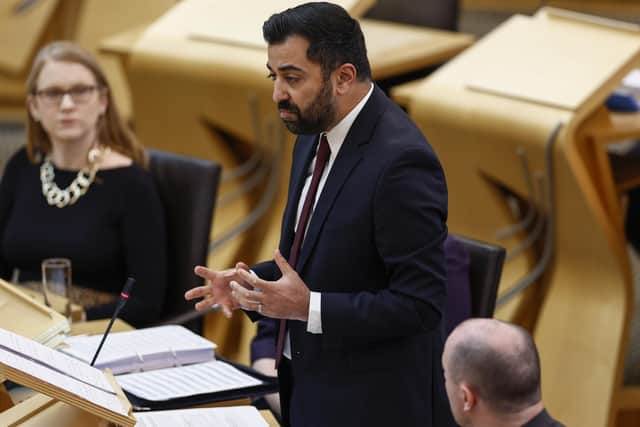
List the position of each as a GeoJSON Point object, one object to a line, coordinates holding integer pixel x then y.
{"type": "Point", "coordinates": [124, 297]}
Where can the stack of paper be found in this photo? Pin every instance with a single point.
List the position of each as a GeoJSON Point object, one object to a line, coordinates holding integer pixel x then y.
{"type": "Point", "coordinates": [232, 416]}
{"type": "Point", "coordinates": [161, 363]}
{"type": "Point", "coordinates": [143, 349]}
{"type": "Point", "coordinates": [174, 383]}
{"type": "Point", "coordinates": [31, 364]}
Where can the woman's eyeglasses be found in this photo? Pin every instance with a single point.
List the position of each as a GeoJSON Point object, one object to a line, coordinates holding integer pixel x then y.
{"type": "Point", "coordinates": [79, 94]}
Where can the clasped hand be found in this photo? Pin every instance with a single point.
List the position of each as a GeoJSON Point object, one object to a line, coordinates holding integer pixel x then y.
{"type": "Point", "coordinates": [286, 298]}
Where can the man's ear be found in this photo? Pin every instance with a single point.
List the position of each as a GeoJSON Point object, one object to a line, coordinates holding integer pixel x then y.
{"type": "Point", "coordinates": [345, 76]}
{"type": "Point", "coordinates": [469, 399]}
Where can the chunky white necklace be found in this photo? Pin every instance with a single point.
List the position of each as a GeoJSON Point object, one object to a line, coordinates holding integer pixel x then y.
{"type": "Point", "coordinates": [78, 187]}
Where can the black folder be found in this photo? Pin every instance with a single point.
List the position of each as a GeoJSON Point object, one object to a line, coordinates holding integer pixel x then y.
{"type": "Point", "coordinates": [268, 385]}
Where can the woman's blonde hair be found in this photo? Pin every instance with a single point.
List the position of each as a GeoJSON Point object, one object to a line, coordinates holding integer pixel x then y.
{"type": "Point", "coordinates": [111, 130]}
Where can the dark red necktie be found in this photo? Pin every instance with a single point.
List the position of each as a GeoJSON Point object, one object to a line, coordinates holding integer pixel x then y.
{"type": "Point", "coordinates": [322, 156]}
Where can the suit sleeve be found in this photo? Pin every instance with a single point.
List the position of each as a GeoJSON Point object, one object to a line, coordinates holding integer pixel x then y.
{"type": "Point", "coordinates": [410, 209]}
{"type": "Point", "coordinates": [263, 344]}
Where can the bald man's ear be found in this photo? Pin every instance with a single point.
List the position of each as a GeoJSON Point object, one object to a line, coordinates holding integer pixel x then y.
{"type": "Point", "coordinates": [345, 76]}
{"type": "Point", "coordinates": [468, 398]}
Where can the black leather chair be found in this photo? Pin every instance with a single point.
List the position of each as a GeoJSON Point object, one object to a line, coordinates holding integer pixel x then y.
{"type": "Point", "coordinates": [188, 189]}
{"type": "Point", "coordinates": [440, 14]}
{"type": "Point", "coordinates": [485, 269]}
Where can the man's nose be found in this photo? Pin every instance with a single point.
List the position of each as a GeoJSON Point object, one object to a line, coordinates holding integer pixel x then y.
{"type": "Point", "coordinates": [279, 94]}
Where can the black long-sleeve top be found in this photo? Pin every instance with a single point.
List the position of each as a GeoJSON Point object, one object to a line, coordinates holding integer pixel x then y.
{"type": "Point", "coordinates": [114, 231]}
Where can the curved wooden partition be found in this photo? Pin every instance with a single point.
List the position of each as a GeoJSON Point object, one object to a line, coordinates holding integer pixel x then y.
{"type": "Point", "coordinates": [25, 26]}
{"type": "Point", "coordinates": [499, 102]}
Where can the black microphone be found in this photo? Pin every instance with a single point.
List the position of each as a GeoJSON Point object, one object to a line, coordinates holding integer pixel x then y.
{"type": "Point", "coordinates": [124, 297]}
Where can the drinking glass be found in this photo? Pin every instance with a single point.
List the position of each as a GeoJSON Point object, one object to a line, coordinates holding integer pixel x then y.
{"type": "Point", "coordinates": [56, 282]}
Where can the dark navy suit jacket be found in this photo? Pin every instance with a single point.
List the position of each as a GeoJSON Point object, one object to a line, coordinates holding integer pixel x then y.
{"type": "Point", "coordinates": [374, 249]}
{"type": "Point", "coordinates": [457, 307]}
{"type": "Point", "coordinates": [543, 419]}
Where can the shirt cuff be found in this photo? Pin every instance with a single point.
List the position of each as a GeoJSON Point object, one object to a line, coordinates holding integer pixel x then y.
{"type": "Point", "coordinates": [314, 324]}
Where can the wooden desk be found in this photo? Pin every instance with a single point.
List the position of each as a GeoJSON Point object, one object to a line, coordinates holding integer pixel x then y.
{"type": "Point", "coordinates": [58, 303]}
{"type": "Point", "coordinates": [41, 410]}
{"type": "Point", "coordinates": [83, 21]}
{"type": "Point", "coordinates": [268, 416]}
{"type": "Point", "coordinates": [44, 410]}
{"type": "Point", "coordinates": [395, 49]}
{"type": "Point", "coordinates": [38, 322]}
{"type": "Point", "coordinates": [403, 93]}
{"type": "Point", "coordinates": [506, 95]}
{"type": "Point", "coordinates": [93, 327]}
{"type": "Point", "coordinates": [78, 328]}
{"type": "Point", "coordinates": [6, 401]}
{"type": "Point", "coordinates": [615, 174]}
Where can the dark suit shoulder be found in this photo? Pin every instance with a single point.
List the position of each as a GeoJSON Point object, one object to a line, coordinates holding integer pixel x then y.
{"type": "Point", "coordinates": [393, 129]}
{"type": "Point", "coordinates": [543, 419]}
{"type": "Point", "coordinates": [397, 142]}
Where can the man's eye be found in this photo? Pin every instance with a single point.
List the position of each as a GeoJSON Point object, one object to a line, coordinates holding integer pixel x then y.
{"type": "Point", "coordinates": [291, 79]}
{"type": "Point", "coordinates": [271, 76]}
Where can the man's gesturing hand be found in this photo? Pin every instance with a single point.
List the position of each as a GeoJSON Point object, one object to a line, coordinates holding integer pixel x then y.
{"type": "Point", "coordinates": [286, 298]}
{"type": "Point", "coordinates": [216, 290]}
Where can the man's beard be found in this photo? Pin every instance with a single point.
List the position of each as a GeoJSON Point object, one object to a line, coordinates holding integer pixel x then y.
{"type": "Point", "coordinates": [317, 117]}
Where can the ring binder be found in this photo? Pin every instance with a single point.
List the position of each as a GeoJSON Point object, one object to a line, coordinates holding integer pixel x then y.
{"type": "Point", "coordinates": [267, 385]}
{"type": "Point", "coordinates": [175, 357]}
{"type": "Point", "coordinates": [140, 361]}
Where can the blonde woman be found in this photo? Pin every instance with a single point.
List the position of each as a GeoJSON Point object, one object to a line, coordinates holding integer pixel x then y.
{"type": "Point", "coordinates": [80, 190]}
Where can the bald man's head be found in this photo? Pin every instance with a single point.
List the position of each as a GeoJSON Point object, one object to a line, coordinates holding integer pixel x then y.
{"type": "Point", "coordinates": [497, 360]}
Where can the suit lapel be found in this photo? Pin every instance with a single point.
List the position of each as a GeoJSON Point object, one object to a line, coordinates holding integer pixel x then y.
{"type": "Point", "coordinates": [306, 148]}
{"type": "Point", "coordinates": [347, 159]}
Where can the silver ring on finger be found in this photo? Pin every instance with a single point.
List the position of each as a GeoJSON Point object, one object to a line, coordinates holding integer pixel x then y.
{"type": "Point", "coordinates": [260, 307]}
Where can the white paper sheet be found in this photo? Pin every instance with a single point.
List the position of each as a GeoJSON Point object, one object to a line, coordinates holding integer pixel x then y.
{"type": "Point", "coordinates": [232, 416]}
{"type": "Point", "coordinates": [170, 383]}
{"type": "Point", "coordinates": [54, 360]}
{"type": "Point", "coordinates": [84, 391]}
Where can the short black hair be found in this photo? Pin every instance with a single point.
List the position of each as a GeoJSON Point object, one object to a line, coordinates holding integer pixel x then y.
{"type": "Point", "coordinates": [335, 38]}
{"type": "Point", "coordinates": [508, 380]}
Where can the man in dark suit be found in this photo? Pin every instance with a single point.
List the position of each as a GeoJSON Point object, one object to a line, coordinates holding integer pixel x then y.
{"type": "Point", "coordinates": [493, 376]}
{"type": "Point", "coordinates": [457, 309]}
{"type": "Point", "coordinates": [359, 276]}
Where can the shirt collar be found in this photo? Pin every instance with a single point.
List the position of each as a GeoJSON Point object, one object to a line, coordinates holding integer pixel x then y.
{"type": "Point", "coordinates": [336, 136]}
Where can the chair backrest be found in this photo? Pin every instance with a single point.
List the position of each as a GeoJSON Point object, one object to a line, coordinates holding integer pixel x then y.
{"type": "Point", "coordinates": [485, 269]}
{"type": "Point", "coordinates": [441, 14]}
{"type": "Point", "coordinates": [12, 137]}
{"type": "Point", "coordinates": [188, 189]}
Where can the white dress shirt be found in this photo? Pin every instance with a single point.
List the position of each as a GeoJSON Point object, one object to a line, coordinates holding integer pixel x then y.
{"type": "Point", "coordinates": [335, 138]}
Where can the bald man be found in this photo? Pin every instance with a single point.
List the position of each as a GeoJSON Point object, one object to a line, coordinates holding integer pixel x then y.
{"type": "Point", "coordinates": [492, 373]}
